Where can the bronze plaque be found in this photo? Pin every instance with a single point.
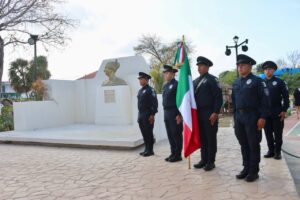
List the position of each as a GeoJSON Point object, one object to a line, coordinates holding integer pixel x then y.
{"type": "Point", "coordinates": [109, 96]}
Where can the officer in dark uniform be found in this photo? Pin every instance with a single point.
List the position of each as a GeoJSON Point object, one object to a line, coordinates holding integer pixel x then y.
{"type": "Point", "coordinates": [296, 95]}
{"type": "Point", "coordinates": [172, 116]}
{"type": "Point", "coordinates": [279, 99]}
{"type": "Point", "coordinates": [208, 97]}
{"type": "Point", "coordinates": [251, 108]}
{"type": "Point", "coordinates": [147, 106]}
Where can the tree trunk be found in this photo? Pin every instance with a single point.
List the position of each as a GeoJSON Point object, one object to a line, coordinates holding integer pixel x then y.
{"type": "Point", "coordinates": [1, 62]}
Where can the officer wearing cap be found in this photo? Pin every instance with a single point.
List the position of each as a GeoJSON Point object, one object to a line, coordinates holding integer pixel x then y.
{"type": "Point", "coordinates": [279, 99]}
{"type": "Point", "coordinates": [147, 106]}
{"type": "Point", "coordinates": [208, 97]}
{"type": "Point", "coordinates": [296, 95]}
{"type": "Point", "coordinates": [172, 116]}
{"type": "Point", "coordinates": [251, 108]}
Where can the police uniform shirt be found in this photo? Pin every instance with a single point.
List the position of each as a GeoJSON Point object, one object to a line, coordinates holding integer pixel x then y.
{"type": "Point", "coordinates": [208, 93]}
{"type": "Point", "coordinates": [169, 95]}
{"type": "Point", "coordinates": [250, 93]}
{"type": "Point", "coordinates": [147, 100]}
{"type": "Point", "coordinates": [279, 95]}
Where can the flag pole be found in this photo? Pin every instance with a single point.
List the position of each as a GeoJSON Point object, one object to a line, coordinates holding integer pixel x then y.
{"type": "Point", "coordinates": [189, 162]}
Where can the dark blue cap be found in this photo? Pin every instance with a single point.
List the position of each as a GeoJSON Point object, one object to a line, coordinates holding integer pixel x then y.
{"type": "Point", "coordinates": [244, 59]}
{"type": "Point", "coordinates": [204, 61]}
{"type": "Point", "coordinates": [168, 68]}
{"type": "Point", "coordinates": [144, 75]}
{"type": "Point", "coordinates": [269, 64]}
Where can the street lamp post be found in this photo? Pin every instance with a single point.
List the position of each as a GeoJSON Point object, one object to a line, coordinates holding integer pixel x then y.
{"type": "Point", "coordinates": [32, 41]}
{"type": "Point", "coordinates": [244, 48]}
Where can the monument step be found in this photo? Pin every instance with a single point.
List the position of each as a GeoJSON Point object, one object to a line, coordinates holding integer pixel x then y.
{"type": "Point", "coordinates": [78, 135]}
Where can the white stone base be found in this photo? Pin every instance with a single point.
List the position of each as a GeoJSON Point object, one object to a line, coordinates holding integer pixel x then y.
{"type": "Point", "coordinates": [79, 134]}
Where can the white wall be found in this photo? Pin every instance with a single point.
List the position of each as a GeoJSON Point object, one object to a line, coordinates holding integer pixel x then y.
{"type": "Point", "coordinates": [159, 125]}
{"type": "Point", "coordinates": [57, 111]}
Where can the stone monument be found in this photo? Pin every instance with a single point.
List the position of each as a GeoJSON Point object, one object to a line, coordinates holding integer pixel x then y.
{"type": "Point", "coordinates": [98, 111]}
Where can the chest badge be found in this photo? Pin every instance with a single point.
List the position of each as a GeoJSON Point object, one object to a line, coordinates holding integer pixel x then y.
{"type": "Point", "coordinates": [170, 87]}
{"type": "Point", "coordinates": [274, 83]}
{"type": "Point", "coordinates": [249, 81]}
{"type": "Point", "coordinates": [144, 91]}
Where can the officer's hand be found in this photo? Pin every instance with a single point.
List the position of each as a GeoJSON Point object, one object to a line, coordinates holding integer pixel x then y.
{"type": "Point", "coordinates": [151, 119]}
{"type": "Point", "coordinates": [213, 118]}
{"type": "Point", "coordinates": [282, 116]}
{"type": "Point", "coordinates": [261, 123]}
{"type": "Point", "coordinates": [178, 119]}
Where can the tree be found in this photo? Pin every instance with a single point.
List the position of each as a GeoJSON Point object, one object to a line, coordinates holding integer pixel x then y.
{"type": "Point", "coordinates": [259, 68]}
{"type": "Point", "coordinates": [281, 63]}
{"type": "Point", "coordinates": [41, 70]}
{"type": "Point", "coordinates": [227, 77]}
{"type": "Point", "coordinates": [158, 78]}
{"type": "Point", "coordinates": [160, 54]}
{"type": "Point", "coordinates": [17, 15]}
{"type": "Point", "coordinates": [19, 76]}
{"type": "Point", "coordinates": [292, 80]}
{"type": "Point", "coordinates": [294, 58]}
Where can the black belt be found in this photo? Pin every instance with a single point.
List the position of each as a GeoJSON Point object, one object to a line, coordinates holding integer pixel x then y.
{"type": "Point", "coordinates": [246, 110]}
{"type": "Point", "coordinates": [170, 108]}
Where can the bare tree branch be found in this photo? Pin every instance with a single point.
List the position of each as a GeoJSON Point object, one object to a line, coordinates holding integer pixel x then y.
{"type": "Point", "coordinates": [294, 58]}
{"type": "Point", "coordinates": [17, 15]}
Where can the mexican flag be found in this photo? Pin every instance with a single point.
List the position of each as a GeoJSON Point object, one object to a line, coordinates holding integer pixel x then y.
{"type": "Point", "coordinates": [186, 104]}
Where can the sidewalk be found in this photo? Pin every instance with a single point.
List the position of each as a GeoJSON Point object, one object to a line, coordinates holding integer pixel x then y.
{"type": "Point", "coordinates": [291, 145]}
{"type": "Point", "coordinates": [39, 172]}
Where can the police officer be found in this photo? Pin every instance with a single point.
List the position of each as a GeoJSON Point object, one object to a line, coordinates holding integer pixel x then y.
{"type": "Point", "coordinates": [279, 99]}
{"type": "Point", "coordinates": [251, 108]}
{"type": "Point", "coordinates": [296, 95]}
{"type": "Point", "coordinates": [172, 116]}
{"type": "Point", "coordinates": [147, 106]}
{"type": "Point", "coordinates": [208, 97]}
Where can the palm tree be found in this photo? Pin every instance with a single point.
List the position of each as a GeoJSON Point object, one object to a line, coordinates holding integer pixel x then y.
{"type": "Point", "coordinates": [40, 71]}
{"type": "Point", "coordinates": [19, 76]}
{"type": "Point", "coordinates": [157, 78]}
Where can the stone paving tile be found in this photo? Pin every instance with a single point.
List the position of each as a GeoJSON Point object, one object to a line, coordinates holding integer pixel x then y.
{"type": "Point", "coordinates": [37, 172]}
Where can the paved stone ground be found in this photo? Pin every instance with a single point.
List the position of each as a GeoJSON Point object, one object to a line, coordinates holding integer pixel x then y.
{"type": "Point", "coordinates": [38, 172]}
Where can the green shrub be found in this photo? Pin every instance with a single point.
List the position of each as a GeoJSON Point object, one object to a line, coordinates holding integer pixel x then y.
{"type": "Point", "coordinates": [6, 119]}
{"type": "Point", "coordinates": [289, 112]}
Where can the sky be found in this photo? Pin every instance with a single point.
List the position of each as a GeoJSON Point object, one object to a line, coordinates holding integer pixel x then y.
{"type": "Point", "coordinates": [111, 28]}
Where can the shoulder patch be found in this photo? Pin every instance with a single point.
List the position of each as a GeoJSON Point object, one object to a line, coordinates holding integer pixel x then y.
{"type": "Point", "coordinates": [218, 83]}
{"type": "Point", "coordinates": [153, 93]}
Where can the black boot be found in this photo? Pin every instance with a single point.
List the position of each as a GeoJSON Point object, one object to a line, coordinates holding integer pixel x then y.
{"type": "Point", "coordinates": [242, 174]}
{"type": "Point", "coordinates": [277, 156]}
{"type": "Point", "coordinates": [170, 157]}
{"type": "Point", "coordinates": [209, 166]}
{"type": "Point", "coordinates": [251, 177]}
{"type": "Point", "coordinates": [270, 154]}
{"type": "Point", "coordinates": [148, 153]}
{"type": "Point", "coordinates": [175, 159]}
{"type": "Point", "coordinates": [200, 165]}
{"type": "Point", "coordinates": [142, 153]}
